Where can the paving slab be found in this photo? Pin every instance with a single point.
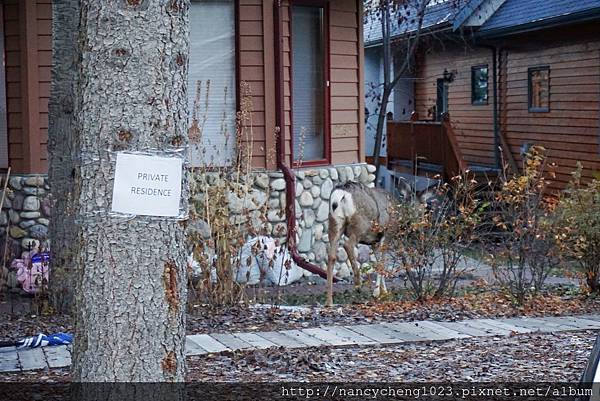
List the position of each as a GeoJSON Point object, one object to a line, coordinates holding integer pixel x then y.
{"type": "Point", "coordinates": [503, 325]}
{"type": "Point", "coordinates": [281, 340]}
{"type": "Point", "coordinates": [304, 338]}
{"type": "Point", "coordinates": [554, 324]}
{"type": "Point", "coordinates": [594, 317]}
{"type": "Point", "coordinates": [464, 328]}
{"type": "Point", "coordinates": [487, 328]}
{"type": "Point", "coordinates": [378, 333]}
{"type": "Point", "coordinates": [57, 357]}
{"type": "Point", "coordinates": [528, 323]}
{"type": "Point", "coordinates": [353, 336]}
{"type": "Point", "coordinates": [230, 341]}
{"type": "Point", "coordinates": [578, 323]}
{"type": "Point", "coordinates": [9, 361]}
{"type": "Point", "coordinates": [329, 337]}
{"type": "Point", "coordinates": [255, 340]}
{"type": "Point", "coordinates": [415, 332]}
{"type": "Point", "coordinates": [191, 348]}
{"type": "Point", "coordinates": [442, 330]}
{"type": "Point", "coordinates": [32, 359]}
{"type": "Point", "coordinates": [208, 343]}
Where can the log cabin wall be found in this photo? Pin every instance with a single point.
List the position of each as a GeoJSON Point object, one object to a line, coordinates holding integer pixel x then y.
{"type": "Point", "coordinates": [28, 46]}
{"type": "Point", "coordinates": [346, 71]}
{"type": "Point", "coordinates": [570, 130]}
{"type": "Point", "coordinates": [473, 124]}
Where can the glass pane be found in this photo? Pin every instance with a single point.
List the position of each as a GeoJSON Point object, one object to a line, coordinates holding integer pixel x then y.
{"type": "Point", "coordinates": [479, 85]}
{"type": "Point", "coordinates": [308, 86]}
{"type": "Point", "coordinates": [539, 81]}
{"type": "Point", "coordinates": [211, 82]}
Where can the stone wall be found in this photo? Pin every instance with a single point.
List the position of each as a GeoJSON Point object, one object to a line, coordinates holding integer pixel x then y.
{"type": "Point", "coordinates": [313, 189]}
{"type": "Point", "coordinates": [26, 209]}
{"type": "Point", "coordinates": [26, 213]}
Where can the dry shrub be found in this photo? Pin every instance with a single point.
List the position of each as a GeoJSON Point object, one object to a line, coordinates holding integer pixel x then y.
{"type": "Point", "coordinates": [525, 249]}
{"type": "Point", "coordinates": [217, 234]}
{"type": "Point", "coordinates": [579, 214]}
{"type": "Point", "coordinates": [427, 242]}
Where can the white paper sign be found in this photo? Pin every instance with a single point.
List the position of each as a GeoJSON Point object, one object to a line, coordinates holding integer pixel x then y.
{"type": "Point", "coordinates": [147, 185]}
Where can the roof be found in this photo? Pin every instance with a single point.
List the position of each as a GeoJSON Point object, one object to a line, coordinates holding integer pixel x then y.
{"type": "Point", "coordinates": [437, 15]}
{"type": "Point", "coordinates": [516, 15]}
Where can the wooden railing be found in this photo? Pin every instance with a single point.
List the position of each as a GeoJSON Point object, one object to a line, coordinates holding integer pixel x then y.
{"type": "Point", "coordinates": [421, 145]}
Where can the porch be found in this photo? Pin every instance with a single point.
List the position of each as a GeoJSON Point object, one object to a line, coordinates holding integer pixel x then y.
{"type": "Point", "coordinates": [426, 151]}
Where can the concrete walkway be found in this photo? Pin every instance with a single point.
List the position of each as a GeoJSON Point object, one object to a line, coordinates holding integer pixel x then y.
{"type": "Point", "coordinates": [328, 336]}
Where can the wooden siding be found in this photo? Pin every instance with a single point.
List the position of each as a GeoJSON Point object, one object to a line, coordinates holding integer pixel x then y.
{"type": "Point", "coordinates": [29, 60]}
{"type": "Point", "coordinates": [570, 131]}
{"type": "Point", "coordinates": [28, 47]}
{"type": "Point", "coordinates": [473, 124]}
{"type": "Point", "coordinates": [346, 66]}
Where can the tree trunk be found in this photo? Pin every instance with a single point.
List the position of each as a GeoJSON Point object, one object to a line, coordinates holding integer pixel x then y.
{"type": "Point", "coordinates": [61, 145]}
{"type": "Point", "coordinates": [131, 272]}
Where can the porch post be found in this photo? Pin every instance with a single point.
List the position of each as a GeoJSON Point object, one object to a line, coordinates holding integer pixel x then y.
{"type": "Point", "coordinates": [30, 87]}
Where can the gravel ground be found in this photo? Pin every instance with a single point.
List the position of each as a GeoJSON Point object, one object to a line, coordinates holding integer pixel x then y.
{"type": "Point", "coordinates": [534, 357]}
{"type": "Point", "coordinates": [473, 305]}
{"type": "Point", "coordinates": [539, 357]}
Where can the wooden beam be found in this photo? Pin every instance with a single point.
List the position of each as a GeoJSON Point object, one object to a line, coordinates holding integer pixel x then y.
{"type": "Point", "coordinates": [269, 73]}
{"type": "Point", "coordinates": [361, 83]}
{"type": "Point", "coordinates": [30, 87]}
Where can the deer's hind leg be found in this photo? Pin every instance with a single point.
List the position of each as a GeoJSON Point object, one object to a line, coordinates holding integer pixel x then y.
{"type": "Point", "coordinates": [349, 246]}
{"type": "Point", "coordinates": [335, 232]}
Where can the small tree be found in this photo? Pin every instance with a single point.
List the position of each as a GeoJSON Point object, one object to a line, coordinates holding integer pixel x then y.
{"type": "Point", "coordinates": [401, 31]}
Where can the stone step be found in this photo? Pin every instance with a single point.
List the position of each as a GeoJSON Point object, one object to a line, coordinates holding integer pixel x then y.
{"type": "Point", "coordinates": [208, 343]}
{"type": "Point", "coordinates": [281, 340]}
{"type": "Point", "coordinates": [415, 332]}
{"type": "Point", "coordinates": [378, 333]}
{"type": "Point", "coordinates": [329, 337]}
{"type": "Point", "coordinates": [231, 342]}
{"type": "Point", "coordinates": [255, 340]}
{"type": "Point", "coordinates": [57, 357]}
{"type": "Point", "coordinates": [32, 359]}
{"type": "Point", "coordinates": [191, 348]}
{"type": "Point", "coordinates": [464, 328]}
{"type": "Point", "coordinates": [304, 338]}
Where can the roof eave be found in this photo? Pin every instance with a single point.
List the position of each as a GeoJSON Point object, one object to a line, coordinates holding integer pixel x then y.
{"type": "Point", "coordinates": [446, 26]}
{"type": "Point", "coordinates": [582, 16]}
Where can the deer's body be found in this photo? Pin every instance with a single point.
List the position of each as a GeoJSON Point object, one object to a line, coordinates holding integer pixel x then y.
{"type": "Point", "coordinates": [361, 213]}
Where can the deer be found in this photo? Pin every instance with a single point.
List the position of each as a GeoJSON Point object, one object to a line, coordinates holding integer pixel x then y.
{"type": "Point", "coordinates": [362, 213]}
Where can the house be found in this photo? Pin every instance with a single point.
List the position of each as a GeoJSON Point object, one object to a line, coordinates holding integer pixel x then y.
{"type": "Point", "coordinates": [509, 74]}
{"type": "Point", "coordinates": [294, 64]}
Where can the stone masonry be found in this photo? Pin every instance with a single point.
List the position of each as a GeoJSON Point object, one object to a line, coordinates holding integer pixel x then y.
{"type": "Point", "coordinates": [26, 213]}
{"type": "Point", "coordinates": [26, 210]}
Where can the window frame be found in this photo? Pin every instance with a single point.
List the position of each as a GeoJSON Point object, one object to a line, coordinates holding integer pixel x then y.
{"type": "Point", "coordinates": [487, 86]}
{"type": "Point", "coordinates": [530, 107]}
{"type": "Point", "coordinates": [237, 76]}
{"type": "Point", "coordinates": [325, 5]}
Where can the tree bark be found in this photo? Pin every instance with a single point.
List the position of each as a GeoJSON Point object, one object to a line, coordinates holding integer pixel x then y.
{"type": "Point", "coordinates": [61, 145]}
{"type": "Point", "coordinates": [131, 272]}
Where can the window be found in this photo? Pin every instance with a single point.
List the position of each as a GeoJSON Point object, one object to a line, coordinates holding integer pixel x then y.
{"type": "Point", "coordinates": [539, 89]}
{"type": "Point", "coordinates": [309, 118]}
{"type": "Point", "coordinates": [479, 85]}
{"type": "Point", "coordinates": [212, 82]}
{"type": "Point", "coordinates": [441, 103]}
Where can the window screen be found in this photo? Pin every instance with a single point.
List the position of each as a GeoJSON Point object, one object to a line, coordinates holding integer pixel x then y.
{"type": "Point", "coordinates": [479, 85]}
{"type": "Point", "coordinates": [212, 82]}
{"type": "Point", "coordinates": [539, 89]}
{"type": "Point", "coordinates": [308, 82]}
